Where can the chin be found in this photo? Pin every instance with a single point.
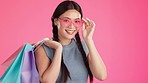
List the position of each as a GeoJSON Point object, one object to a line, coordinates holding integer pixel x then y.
{"type": "Point", "coordinates": [70, 37]}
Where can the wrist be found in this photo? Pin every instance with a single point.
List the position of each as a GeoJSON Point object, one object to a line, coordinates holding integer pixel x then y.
{"type": "Point", "coordinates": [59, 47]}
{"type": "Point", "coordinates": [88, 39]}
{"type": "Point", "coordinates": [58, 53]}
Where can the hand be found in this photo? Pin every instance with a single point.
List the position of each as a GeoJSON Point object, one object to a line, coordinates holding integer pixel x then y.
{"type": "Point", "coordinates": [53, 44]}
{"type": "Point", "coordinates": [88, 29]}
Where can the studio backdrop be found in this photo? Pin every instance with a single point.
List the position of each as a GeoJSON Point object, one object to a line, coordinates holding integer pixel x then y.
{"type": "Point", "coordinates": [121, 33]}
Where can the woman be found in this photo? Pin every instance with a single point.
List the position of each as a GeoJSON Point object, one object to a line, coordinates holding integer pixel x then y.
{"type": "Point", "coordinates": [64, 58]}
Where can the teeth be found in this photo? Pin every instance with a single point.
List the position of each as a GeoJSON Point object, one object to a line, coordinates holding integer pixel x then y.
{"type": "Point", "coordinates": [70, 31]}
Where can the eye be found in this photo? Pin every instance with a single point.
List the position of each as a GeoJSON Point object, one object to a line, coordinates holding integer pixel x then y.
{"type": "Point", "coordinates": [66, 20]}
{"type": "Point", "coordinates": [77, 21]}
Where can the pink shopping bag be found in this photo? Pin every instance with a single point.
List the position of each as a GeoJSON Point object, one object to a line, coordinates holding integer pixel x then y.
{"type": "Point", "coordinates": [10, 59]}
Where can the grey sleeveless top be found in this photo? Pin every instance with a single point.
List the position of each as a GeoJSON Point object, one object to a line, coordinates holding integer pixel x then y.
{"type": "Point", "coordinates": [73, 60]}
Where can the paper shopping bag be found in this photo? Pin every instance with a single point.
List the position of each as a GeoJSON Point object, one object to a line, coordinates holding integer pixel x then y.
{"type": "Point", "coordinates": [29, 72]}
{"type": "Point", "coordinates": [10, 59]}
{"type": "Point", "coordinates": [13, 73]}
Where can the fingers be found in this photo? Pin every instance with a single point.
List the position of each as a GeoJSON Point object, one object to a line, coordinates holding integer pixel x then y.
{"type": "Point", "coordinates": [88, 22]}
{"type": "Point", "coordinates": [48, 41]}
{"type": "Point", "coordinates": [38, 44]}
{"type": "Point", "coordinates": [93, 23]}
{"type": "Point", "coordinates": [53, 44]}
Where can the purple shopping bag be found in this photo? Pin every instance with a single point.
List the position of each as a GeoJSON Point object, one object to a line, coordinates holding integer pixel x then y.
{"type": "Point", "coordinates": [29, 72]}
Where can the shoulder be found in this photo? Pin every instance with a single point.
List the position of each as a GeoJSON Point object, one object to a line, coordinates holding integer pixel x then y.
{"type": "Point", "coordinates": [43, 49]}
{"type": "Point", "coordinates": [40, 51]}
{"type": "Point", "coordinates": [49, 51]}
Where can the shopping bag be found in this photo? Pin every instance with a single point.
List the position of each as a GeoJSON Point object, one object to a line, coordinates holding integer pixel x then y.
{"type": "Point", "coordinates": [29, 72]}
{"type": "Point", "coordinates": [10, 59]}
{"type": "Point", "coordinates": [13, 73]}
{"type": "Point", "coordinates": [23, 68]}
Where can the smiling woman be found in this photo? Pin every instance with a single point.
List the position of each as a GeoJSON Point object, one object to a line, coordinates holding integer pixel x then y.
{"type": "Point", "coordinates": [65, 58]}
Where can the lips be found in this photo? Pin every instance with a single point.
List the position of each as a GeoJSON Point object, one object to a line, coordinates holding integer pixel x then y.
{"type": "Point", "coordinates": [70, 32]}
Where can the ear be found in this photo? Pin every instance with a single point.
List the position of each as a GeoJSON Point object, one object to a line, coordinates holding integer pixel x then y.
{"type": "Point", "coordinates": [56, 21]}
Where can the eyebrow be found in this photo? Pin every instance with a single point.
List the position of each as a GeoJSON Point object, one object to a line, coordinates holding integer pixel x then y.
{"type": "Point", "coordinates": [70, 18]}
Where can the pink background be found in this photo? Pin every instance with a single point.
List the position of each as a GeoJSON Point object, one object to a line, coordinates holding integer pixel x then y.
{"type": "Point", "coordinates": [121, 34]}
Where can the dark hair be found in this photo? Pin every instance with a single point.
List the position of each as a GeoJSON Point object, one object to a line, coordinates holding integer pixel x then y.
{"type": "Point", "coordinates": [62, 8]}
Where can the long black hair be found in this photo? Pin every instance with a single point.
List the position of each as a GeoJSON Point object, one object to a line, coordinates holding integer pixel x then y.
{"type": "Point", "coordinates": [62, 8]}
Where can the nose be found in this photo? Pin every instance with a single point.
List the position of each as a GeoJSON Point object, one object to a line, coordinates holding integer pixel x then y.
{"type": "Point", "coordinates": [72, 25]}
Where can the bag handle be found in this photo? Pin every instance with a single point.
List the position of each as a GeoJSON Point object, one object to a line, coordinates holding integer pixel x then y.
{"type": "Point", "coordinates": [39, 43]}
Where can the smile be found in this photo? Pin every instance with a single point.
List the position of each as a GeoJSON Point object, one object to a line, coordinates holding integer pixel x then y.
{"type": "Point", "coordinates": [70, 32]}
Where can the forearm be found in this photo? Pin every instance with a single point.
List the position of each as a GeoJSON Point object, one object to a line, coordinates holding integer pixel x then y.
{"type": "Point", "coordinates": [96, 63]}
{"type": "Point", "coordinates": [52, 72]}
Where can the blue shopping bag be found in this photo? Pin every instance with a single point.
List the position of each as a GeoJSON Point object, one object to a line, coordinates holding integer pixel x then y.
{"type": "Point", "coordinates": [13, 73]}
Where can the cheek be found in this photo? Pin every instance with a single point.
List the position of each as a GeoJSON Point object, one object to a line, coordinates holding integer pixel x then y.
{"type": "Point", "coordinates": [61, 30]}
{"type": "Point", "coordinates": [60, 26]}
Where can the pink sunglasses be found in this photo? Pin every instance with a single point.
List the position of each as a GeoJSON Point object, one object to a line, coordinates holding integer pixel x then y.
{"type": "Point", "coordinates": [67, 22]}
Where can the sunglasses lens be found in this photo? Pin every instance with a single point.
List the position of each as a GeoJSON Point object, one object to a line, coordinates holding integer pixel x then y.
{"type": "Point", "coordinates": [66, 22]}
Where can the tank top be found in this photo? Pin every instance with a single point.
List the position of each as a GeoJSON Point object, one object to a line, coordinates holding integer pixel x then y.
{"type": "Point", "coordinates": [73, 60]}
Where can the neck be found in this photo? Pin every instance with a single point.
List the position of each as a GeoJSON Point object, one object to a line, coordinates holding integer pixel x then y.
{"type": "Point", "coordinates": [65, 41]}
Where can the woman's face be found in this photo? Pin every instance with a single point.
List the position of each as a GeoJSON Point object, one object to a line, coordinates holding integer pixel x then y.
{"type": "Point", "coordinates": [69, 24]}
